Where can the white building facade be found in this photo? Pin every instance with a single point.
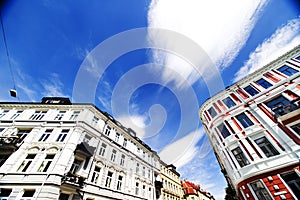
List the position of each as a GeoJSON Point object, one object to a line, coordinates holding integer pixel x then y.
{"type": "Point", "coordinates": [59, 150]}
{"type": "Point", "coordinates": [254, 128]}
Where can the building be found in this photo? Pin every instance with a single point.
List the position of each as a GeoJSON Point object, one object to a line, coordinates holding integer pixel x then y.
{"type": "Point", "coordinates": [170, 178]}
{"type": "Point", "coordinates": [59, 150]}
{"type": "Point", "coordinates": [254, 128]}
{"type": "Point", "coordinates": [194, 192]}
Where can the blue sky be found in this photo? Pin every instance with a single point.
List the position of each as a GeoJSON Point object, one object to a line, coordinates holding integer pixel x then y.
{"type": "Point", "coordinates": [159, 90]}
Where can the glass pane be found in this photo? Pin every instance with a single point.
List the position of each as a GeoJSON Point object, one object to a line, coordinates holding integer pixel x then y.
{"type": "Point", "coordinates": [265, 84]}
{"type": "Point", "coordinates": [228, 102]}
{"type": "Point", "coordinates": [223, 130]}
{"type": "Point", "coordinates": [293, 181]}
{"type": "Point", "coordinates": [244, 120]}
{"type": "Point", "coordinates": [212, 112]}
{"type": "Point", "coordinates": [287, 70]}
{"type": "Point", "coordinates": [251, 90]}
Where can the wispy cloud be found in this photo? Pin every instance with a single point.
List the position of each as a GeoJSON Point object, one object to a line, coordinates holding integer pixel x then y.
{"type": "Point", "coordinates": [183, 150]}
{"type": "Point", "coordinates": [205, 171]}
{"type": "Point", "coordinates": [53, 86]}
{"type": "Point", "coordinates": [283, 40]}
{"type": "Point", "coordinates": [221, 28]}
{"type": "Point", "coordinates": [135, 122]}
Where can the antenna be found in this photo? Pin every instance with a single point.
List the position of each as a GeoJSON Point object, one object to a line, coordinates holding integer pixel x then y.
{"type": "Point", "coordinates": [13, 92]}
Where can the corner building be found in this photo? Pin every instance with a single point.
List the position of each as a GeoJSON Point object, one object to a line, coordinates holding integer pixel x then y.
{"type": "Point", "coordinates": [59, 150]}
{"type": "Point", "coordinates": [254, 128]}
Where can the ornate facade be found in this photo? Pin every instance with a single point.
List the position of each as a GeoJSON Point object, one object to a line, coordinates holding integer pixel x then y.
{"type": "Point", "coordinates": [170, 178]}
{"type": "Point", "coordinates": [59, 150]}
{"type": "Point", "coordinates": [254, 128]}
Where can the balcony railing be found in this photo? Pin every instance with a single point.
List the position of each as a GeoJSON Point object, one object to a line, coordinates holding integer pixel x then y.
{"type": "Point", "coordinates": [73, 179]}
{"type": "Point", "coordinates": [281, 110]}
{"type": "Point", "coordinates": [10, 142]}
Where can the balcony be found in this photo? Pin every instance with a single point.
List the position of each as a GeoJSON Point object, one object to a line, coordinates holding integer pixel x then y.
{"type": "Point", "coordinates": [73, 179]}
{"type": "Point", "coordinates": [10, 142]}
{"type": "Point", "coordinates": [286, 112]}
{"type": "Point", "coordinates": [158, 184]}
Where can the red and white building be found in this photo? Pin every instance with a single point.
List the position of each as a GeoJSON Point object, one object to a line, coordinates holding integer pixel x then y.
{"type": "Point", "coordinates": [194, 192]}
{"type": "Point", "coordinates": [254, 128]}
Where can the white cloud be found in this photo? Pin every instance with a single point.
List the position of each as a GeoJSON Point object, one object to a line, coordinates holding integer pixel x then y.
{"type": "Point", "coordinates": [221, 28]}
{"type": "Point", "coordinates": [183, 150]}
{"type": "Point", "coordinates": [135, 122]}
{"type": "Point", "coordinates": [53, 86]}
{"type": "Point", "coordinates": [205, 171]}
{"type": "Point", "coordinates": [283, 40]}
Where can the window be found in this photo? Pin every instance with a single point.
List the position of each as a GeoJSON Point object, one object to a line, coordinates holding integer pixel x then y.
{"type": "Point", "coordinates": [113, 155]}
{"type": "Point", "coordinates": [4, 112]}
{"type": "Point", "coordinates": [296, 128]}
{"type": "Point", "coordinates": [144, 171]}
{"type": "Point", "coordinates": [74, 115]}
{"type": "Point", "coordinates": [28, 193]}
{"type": "Point", "coordinates": [60, 115]}
{"type": "Point", "coordinates": [150, 193]}
{"type": "Point", "coordinates": [144, 190]}
{"type": "Point", "coordinates": [96, 175]}
{"type": "Point", "coordinates": [102, 149]}
{"type": "Point", "coordinates": [5, 192]}
{"type": "Point", "coordinates": [287, 70]}
{"type": "Point", "coordinates": [107, 130]}
{"type": "Point", "coordinates": [240, 157]}
{"type": "Point", "coordinates": [260, 191]}
{"type": "Point", "coordinates": [223, 130]}
{"type": "Point", "coordinates": [122, 161]}
{"type": "Point", "coordinates": [3, 158]}
{"type": "Point", "coordinates": [23, 133]}
{"type": "Point", "coordinates": [212, 112]}
{"type": "Point", "coordinates": [244, 120]}
{"type": "Point", "coordinates": [149, 173]}
{"type": "Point", "coordinates": [265, 84]}
{"type": "Point", "coordinates": [137, 168]}
{"type": "Point", "coordinates": [228, 102]}
{"type": "Point", "coordinates": [292, 179]}
{"type": "Point", "coordinates": [281, 105]}
{"type": "Point", "coordinates": [250, 90]}
{"type": "Point", "coordinates": [75, 166]}
{"type": "Point", "coordinates": [38, 115]}
{"type": "Point", "coordinates": [117, 137]}
{"type": "Point", "coordinates": [45, 135]}
{"type": "Point", "coordinates": [1, 130]}
{"type": "Point", "coordinates": [95, 120]}
{"type": "Point", "coordinates": [46, 163]}
{"type": "Point", "coordinates": [125, 142]}
{"type": "Point", "coordinates": [62, 136]}
{"type": "Point", "coordinates": [108, 179]}
{"type": "Point", "coordinates": [16, 114]}
{"type": "Point", "coordinates": [136, 188]}
{"type": "Point", "coordinates": [119, 183]}
{"type": "Point", "coordinates": [63, 196]}
{"type": "Point", "coordinates": [26, 163]}
{"type": "Point", "coordinates": [266, 147]}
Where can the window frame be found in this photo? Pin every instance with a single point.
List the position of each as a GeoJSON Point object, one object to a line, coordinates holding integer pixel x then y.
{"type": "Point", "coordinates": [221, 129]}
{"type": "Point", "coordinates": [288, 71]}
{"type": "Point", "coordinates": [240, 157]}
{"type": "Point", "coordinates": [263, 189]}
{"type": "Point", "coordinates": [229, 102]}
{"type": "Point", "coordinates": [251, 90]}
{"type": "Point", "coordinates": [264, 83]}
{"type": "Point", "coordinates": [266, 147]}
{"type": "Point", "coordinates": [245, 121]}
{"type": "Point", "coordinates": [212, 112]}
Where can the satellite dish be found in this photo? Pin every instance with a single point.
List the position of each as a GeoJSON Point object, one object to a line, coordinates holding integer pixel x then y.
{"type": "Point", "coordinates": [13, 93]}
